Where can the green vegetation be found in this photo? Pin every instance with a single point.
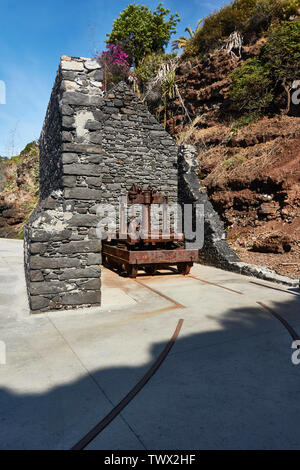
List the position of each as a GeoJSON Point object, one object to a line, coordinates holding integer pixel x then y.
{"type": "Point", "coordinates": [251, 90]}
{"type": "Point", "coordinates": [188, 43]}
{"type": "Point", "coordinates": [231, 163]}
{"type": "Point", "coordinates": [150, 65]}
{"type": "Point", "coordinates": [141, 31]}
{"type": "Point", "coordinates": [250, 18]}
{"type": "Point", "coordinates": [32, 146]}
{"type": "Point", "coordinates": [281, 54]}
{"type": "Point", "coordinates": [244, 121]}
{"type": "Point", "coordinates": [21, 188]}
{"type": "Point", "coordinates": [255, 81]}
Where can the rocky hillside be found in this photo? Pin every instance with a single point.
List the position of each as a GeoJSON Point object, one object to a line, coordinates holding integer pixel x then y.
{"type": "Point", "coordinates": [19, 190]}
{"type": "Point", "coordinates": [251, 171]}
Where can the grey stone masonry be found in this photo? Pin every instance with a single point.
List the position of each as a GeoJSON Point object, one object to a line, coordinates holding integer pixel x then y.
{"type": "Point", "coordinates": [215, 250]}
{"type": "Point", "coordinates": [93, 147]}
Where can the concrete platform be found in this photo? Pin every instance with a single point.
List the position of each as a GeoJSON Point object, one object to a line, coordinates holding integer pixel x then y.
{"type": "Point", "coordinates": [228, 383]}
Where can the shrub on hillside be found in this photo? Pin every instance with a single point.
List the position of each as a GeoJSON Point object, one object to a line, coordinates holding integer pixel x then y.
{"type": "Point", "coordinates": [265, 12]}
{"type": "Point", "coordinates": [248, 17]}
{"type": "Point", "coordinates": [149, 66]}
{"type": "Point", "coordinates": [281, 54]}
{"type": "Point", "coordinates": [115, 65]}
{"type": "Point", "coordinates": [252, 89]}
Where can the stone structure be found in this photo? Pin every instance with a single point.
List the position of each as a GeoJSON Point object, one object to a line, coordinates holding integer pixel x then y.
{"type": "Point", "coordinates": [93, 147]}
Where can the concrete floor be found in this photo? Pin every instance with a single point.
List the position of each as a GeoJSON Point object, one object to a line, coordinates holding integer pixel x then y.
{"type": "Point", "coordinates": [228, 382]}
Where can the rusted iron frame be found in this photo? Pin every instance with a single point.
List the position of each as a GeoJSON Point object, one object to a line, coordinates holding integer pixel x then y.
{"type": "Point", "coordinates": [141, 257]}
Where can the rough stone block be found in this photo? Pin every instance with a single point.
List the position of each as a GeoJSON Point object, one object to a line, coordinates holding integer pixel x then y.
{"type": "Point", "coordinates": [93, 125]}
{"type": "Point", "coordinates": [80, 99]}
{"type": "Point", "coordinates": [83, 193]}
{"type": "Point", "coordinates": [158, 133]}
{"type": "Point", "coordinates": [91, 284]}
{"type": "Point", "coordinates": [84, 220]}
{"type": "Point", "coordinates": [69, 158]}
{"type": "Point", "coordinates": [94, 181]}
{"type": "Point", "coordinates": [94, 258]}
{"type": "Point", "coordinates": [97, 75]}
{"type": "Point", "coordinates": [95, 138]}
{"type": "Point", "coordinates": [85, 273]}
{"type": "Point", "coordinates": [43, 262]}
{"type": "Point", "coordinates": [81, 298]}
{"type": "Point", "coordinates": [87, 246]}
{"type": "Point", "coordinates": [68, 122]}
{"type": "Point", "coordinates": [52, 287]}
{"type": "Point", "coordinates": [81, 148]}
{"type": "Point", "coordinates": [66, 136]}
{"type": "Point", "coordinates": [38, 302]}
{"type": "Point", "coordinates": [72, 65]}
{"type": "Point", "coordinates": [128, 111]}
{"type": "Point", "coordinates": [36, 276]}
{"type": "Point", "coordinates": [66, 110]}
{"type": "Point", "coordinates": [43, 236]}
{"type": "Point", "coordinates": [38, 248]}
{"type": "Point", "coordinates": [92, 65]}
{"type": "Point", "coordinates": [98, 115]}
{"type": "Point", "coordinates": [69, 181]}
{"type": "Point", "coordinates": [97, 158]}
{"type": "Point", "coordinates": [81, 169]}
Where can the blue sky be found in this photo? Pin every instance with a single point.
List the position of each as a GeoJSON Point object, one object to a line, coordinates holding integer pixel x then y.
{"type": "Point", "coordinates": [33, 36]}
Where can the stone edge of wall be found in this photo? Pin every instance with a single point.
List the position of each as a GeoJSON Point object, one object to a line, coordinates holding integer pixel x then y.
{"type": "Point", "coordinates": [51, 220]}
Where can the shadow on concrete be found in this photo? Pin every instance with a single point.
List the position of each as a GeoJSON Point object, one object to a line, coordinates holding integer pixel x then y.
{"type": "Point", "coordinates": [231, 387]}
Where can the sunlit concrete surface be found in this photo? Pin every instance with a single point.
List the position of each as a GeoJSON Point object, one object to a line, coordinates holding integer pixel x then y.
{"type": "Point", "coordinates": [228, 382]}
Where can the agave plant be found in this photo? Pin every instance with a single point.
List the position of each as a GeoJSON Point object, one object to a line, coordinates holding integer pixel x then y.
{"type": "Point", "coordinates": [184, 41]}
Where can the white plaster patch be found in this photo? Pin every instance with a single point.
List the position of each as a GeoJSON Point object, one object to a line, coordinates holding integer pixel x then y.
{"type": "Point", "coordinates": [53, 221]}
{"type": "Point", "coordinates": [81, 119]}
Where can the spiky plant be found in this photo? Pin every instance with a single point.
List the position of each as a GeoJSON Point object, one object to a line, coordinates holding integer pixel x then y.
{"type": "Point", "coordinates": [185, 41]}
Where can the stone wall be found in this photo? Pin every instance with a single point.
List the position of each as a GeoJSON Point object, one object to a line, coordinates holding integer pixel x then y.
{"type": "Point", "coordinates": [93, 146]}
{"type": "Point", "coordinates": [215, 250]}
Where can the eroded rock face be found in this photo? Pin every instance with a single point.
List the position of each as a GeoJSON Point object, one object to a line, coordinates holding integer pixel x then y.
{"type": "Point", "coordinates": [18, 190]}
{"type": "Point", "coordinates": [3, 175]}
{"type": "Point", "coordinates": [255, 189]}
{"type": "Point", "coordinates": [203, 87]}
{"type": "Point", "coordinates": [251, 174]}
